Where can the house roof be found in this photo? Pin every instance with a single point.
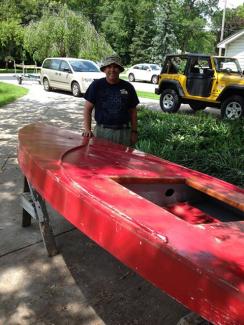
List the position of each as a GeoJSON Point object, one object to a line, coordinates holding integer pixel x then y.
{"type": "Point", "coordinates": [230, 39]}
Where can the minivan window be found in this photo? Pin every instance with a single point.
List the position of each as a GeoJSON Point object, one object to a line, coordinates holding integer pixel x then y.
{"type": "Point", "coordinates": [54, 64]}
{"type": "Point", "coordinates": [47, 64]}
{"type": "Point", "coordinates": [64, 65]}
{"type": "Point", "coordinates": [83, 66]}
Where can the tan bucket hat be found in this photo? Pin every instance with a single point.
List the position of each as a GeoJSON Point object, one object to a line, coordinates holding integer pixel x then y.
{"type": "Point", "coordinates": [113, 59]}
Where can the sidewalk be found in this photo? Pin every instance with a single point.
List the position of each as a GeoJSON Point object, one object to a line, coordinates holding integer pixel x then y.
{"type": "Point", "coordinates": [83, 284]}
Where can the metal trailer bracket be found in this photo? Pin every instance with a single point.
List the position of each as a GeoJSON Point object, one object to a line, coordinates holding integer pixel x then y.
{"type": "Point", "coordinates": [34, 206]}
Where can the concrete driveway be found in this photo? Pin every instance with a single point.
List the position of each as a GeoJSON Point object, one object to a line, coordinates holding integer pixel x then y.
{"type": "Point", "coordinates": [83, 285]}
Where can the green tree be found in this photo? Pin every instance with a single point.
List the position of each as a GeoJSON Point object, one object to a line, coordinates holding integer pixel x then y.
{"type": "Point", "coordinates": [234, 21]}
{"type": "Point", "coordinates": [118, 25]}
{"type": "Point", "coordinates": [11, 39]}
{"type": "Point", "coordinates": [147, 30]}
{"type": "Point", "coordinates": [64, 33]}
{"type": "Point", "coordinates": [191, 22]}
{"type": "Point", "coordinates": [205, 42]}
{"type": "Point", "coordinates": [140, 30]}
{"type": "Point", "coordinates": [89, 8]}
{"type": "Point", "coordinates": [9, 10]}
{"type": "Point", "coordinates": [165, 39]}
{"type": "Point", "coordinates": [24, 10]}
{"type": "Point", "coordinates": [14, 15]}
{"type": "Point", "coordinates": [143, 33]}
{"type": "Point", "coordinates": [139, 49]}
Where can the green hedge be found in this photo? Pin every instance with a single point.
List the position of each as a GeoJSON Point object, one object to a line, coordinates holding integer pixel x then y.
{"type": "Point", "coordinates": [199, 141]}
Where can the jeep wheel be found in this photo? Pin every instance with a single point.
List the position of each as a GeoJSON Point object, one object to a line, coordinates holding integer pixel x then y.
{"type": "Point", "coordinates": [76, 89]}
{"type": "Point", "coordinates": [232, 108]}
{"type": "Point", "coordinates": [197, 106]}
{"type": "Point", "coordinates": [169, 101]}
{"type": "Point", "coordinates": [46, 85]}
{"type": "Point", "coordinates": [154, 79]}
{"type": "Point", "coordinates": [131, 77]}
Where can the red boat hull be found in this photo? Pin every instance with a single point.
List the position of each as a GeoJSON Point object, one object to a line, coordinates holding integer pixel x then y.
{"type": "Point", "coordinates": [141, 209]}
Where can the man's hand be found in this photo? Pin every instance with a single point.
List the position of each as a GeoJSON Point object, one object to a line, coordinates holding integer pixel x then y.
{"type": "Point", "coordinates": [87, 134]}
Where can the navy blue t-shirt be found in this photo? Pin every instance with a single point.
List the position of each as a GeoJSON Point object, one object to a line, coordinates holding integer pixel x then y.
{"type": "Point", "coordinates": [112, 102]}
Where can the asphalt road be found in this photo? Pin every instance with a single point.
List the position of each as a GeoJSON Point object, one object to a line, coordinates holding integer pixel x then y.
{"type": "Point", "coordinates": [10, 78]}
{"type": "Point", "coordinates": [143, 86]}
{"type": "Point", "coordinates": [34, 87]}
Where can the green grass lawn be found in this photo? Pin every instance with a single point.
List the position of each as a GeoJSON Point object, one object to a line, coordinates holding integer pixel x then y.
{"type": "Point", "coordinates": [9, 93]}
{"type": "Point", "coordinates": [146, 94]}
{"type": "Point", "coordinates": [18, 70]}
{"type": "Point", "coordinates": [9, 70]}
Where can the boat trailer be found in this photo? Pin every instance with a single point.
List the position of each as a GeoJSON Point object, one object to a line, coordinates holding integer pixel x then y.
{"type": "Point", "coordinates": [29, 72]}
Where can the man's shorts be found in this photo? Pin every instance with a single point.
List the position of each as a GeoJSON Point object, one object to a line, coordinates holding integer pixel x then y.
{"type": "Point", "coordinates": [122, 136]}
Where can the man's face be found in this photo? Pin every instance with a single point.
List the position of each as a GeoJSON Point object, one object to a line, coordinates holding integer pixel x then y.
{"type": "Point", "coordinates": [112, 72]}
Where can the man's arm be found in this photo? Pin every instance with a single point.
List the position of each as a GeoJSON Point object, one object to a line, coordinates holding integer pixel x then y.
{"type": "Point", "coordinates": [133, 121]}
{"type": "Point", "coordinates": [88, 107]}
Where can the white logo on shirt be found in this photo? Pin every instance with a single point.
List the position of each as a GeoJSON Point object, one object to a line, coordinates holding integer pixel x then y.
{"type": "Point", "coordinates": [123, 92]}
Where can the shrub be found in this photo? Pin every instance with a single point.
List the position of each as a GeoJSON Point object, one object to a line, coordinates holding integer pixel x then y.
{"type": "Point", "coordinates": [200, 142]}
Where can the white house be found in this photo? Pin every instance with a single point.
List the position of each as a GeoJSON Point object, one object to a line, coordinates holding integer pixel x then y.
{"type": "Point", "coordinates": [234, 46]}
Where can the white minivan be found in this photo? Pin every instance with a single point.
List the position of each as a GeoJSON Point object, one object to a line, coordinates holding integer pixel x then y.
{"type": "Point", "coordinates": [69, 74]}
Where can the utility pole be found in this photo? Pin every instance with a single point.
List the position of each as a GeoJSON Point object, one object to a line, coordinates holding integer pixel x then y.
{"type": "Point", "coordinates": [222, 27]}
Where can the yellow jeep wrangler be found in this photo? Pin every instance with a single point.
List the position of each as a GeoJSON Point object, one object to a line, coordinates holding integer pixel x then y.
{"type": "Point", "coordinates": [200, 81]}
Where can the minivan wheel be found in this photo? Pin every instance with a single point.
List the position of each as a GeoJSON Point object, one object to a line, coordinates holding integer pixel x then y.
{"type": "Point", "coordinates": [76, 89]}
{"type": "Point", "coordinates": [46, 85]}
{"type": "Point", "coordinates": [232, 108]}
{"type": "Point", "coordinates": [154, 79]}
{"type": "Point", "coordinates": [170, 101]}
{"type": "Point", "coordinates": [131, 77]}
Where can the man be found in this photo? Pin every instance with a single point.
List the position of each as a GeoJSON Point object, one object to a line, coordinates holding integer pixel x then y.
{"type": "Point", "coordinates": [114, 101]}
